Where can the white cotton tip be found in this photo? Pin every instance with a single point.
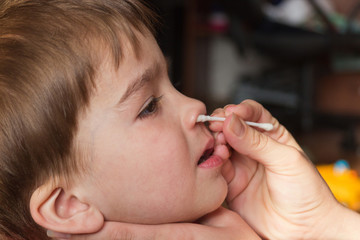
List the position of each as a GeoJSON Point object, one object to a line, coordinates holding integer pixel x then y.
{"type": "Point", "coordinates": [264, 126]}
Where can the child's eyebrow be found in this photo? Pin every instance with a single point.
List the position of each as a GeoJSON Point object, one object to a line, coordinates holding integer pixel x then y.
{"type": "Point", "coordinates": [149, 74]}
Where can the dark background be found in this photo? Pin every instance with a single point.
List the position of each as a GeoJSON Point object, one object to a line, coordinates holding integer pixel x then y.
{"type": "Point", "coordinates": [311, 81]}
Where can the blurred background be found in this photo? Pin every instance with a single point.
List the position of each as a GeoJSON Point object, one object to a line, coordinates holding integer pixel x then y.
{"type": "Point", "coordinates": [299, 58]}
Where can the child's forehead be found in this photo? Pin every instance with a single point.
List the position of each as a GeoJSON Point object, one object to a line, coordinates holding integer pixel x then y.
{"type": "Point", "coordinates": [126, 48]}
{"type": "Point", "coordinates": [143, 61]}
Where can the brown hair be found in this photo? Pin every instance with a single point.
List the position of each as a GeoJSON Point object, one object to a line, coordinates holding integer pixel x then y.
{"type": "Point", "coordinates": [48, 61]}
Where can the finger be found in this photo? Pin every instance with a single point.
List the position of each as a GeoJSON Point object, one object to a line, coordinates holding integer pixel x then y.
{"type": "Point", "coordinates": [217, 126]}
{"type": "Point", "coordinates": [228, 172]}
{"type": "Point", "coordinates": [222, 217]}
{"type": "Point", "coordinates": [220, 139]}
{"type": "Point", "coordinates": [230, 221]}
{"type": "Point", "coordinates": [124, 231]}
{"type": "Point", "coordinates": [57, 235]}
{"type": "Point", "coordinates": [244, 169]}
{"type": "Point", "coordinates": [250, 110]}
{"type": "Point", "coordinates": [222, 151]}
{"type": "Point", "coordinates": [245, 140]}
{"type": "Point", "coordinates": [223, 226]}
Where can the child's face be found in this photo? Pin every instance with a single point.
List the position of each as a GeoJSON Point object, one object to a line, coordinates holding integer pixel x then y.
{"type": "Point", "coordinates": [142, 151]}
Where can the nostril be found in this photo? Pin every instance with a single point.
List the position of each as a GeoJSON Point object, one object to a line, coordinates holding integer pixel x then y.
{"type": "Point", "coordinates": [192, 118]}
{"type": "Point", "coordinates": [192, 108]}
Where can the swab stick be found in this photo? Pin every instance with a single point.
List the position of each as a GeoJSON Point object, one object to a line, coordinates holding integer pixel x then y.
{"type": "Point", "coordinates": [264, 126]}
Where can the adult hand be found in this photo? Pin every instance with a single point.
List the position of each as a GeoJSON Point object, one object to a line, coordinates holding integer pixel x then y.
{"type": "Point", "coordinates": [273, 185]}
{"type": "Point", "coordinates": [221, 224]}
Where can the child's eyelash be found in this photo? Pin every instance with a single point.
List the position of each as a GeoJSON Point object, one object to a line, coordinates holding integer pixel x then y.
{"type": "Point", "coordinates": [151, 108]}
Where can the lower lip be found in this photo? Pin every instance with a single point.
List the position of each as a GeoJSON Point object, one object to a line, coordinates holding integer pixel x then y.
{"type": "Point", "coordinates": [212, 162]}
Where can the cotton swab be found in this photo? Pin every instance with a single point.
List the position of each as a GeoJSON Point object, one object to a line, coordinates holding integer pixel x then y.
{"type": "Point", "coordinates": [264, 126]}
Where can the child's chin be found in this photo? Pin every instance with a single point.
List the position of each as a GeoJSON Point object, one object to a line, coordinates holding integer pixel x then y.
{"type": "Point", "coordinates": [219, 202]}
{"type": "Point", "coordinates": [210, 202]}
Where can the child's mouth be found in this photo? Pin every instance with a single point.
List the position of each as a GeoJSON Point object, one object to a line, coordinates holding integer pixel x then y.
{"type": "Point", "coordinates": [208, 160]}
{"type": "Point", "coordinates": [205, 156]}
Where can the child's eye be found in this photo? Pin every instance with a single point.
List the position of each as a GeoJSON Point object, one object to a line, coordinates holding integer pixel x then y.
{"type": "Point", "coordinates": [150, 108]}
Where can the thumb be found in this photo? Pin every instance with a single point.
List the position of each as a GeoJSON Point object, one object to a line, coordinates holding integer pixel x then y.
{"type": "Point", "coordinates": [248, 141]}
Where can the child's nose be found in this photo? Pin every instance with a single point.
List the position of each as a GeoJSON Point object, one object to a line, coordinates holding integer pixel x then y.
{"type": "Point", "coordinates": [192, 109]}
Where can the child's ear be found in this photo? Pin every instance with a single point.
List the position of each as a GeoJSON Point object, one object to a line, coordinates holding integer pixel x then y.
{"type": "Point", "coordinates": [61, 211]}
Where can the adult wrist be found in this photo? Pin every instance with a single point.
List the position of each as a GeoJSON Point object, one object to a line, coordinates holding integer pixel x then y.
{"type": "Point", "coordinates": [340, 223]}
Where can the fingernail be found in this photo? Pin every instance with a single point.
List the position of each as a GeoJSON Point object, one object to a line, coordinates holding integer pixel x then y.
{"type": "Point", "coordinates": [236, 126]}
{"type": "Point", "coordinates": [52, 234]}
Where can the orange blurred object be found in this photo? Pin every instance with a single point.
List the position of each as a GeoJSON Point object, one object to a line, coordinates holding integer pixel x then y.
{"type": "Point", "coordinates": [343, 182]}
